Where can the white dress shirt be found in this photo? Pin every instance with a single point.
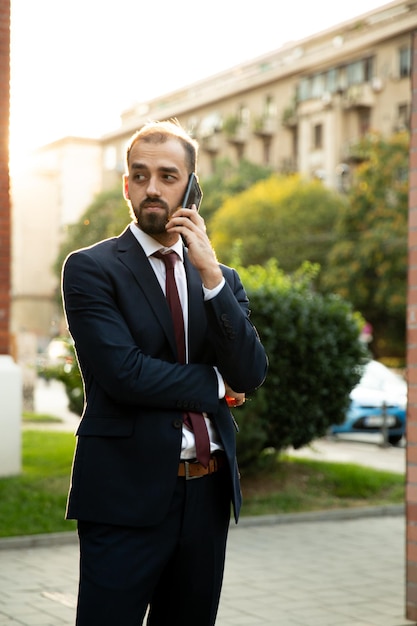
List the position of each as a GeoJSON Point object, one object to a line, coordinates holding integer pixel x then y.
{"type": "Point", "coordinates": [150, 246]}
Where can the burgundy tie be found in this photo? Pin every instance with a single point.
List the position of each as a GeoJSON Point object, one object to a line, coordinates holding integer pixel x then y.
{"type": "Point", "coordinates": [195, 421]}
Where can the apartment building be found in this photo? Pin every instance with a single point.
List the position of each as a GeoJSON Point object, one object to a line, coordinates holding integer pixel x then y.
{"type": "Point", "coordinates": [61, 182]}
{"type": "Point", "coordinates": [299, 108]}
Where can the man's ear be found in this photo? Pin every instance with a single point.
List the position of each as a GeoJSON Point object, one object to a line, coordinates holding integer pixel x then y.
{"type": "Point", "coordinates": [126, 187]}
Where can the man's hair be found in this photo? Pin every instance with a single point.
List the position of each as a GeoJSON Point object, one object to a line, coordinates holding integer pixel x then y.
{"type": "Point", "coordinates": [159, 132]}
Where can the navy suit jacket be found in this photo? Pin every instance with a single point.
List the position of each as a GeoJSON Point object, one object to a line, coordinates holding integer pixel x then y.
{"type": "Point", "coordinates": [129, 439]}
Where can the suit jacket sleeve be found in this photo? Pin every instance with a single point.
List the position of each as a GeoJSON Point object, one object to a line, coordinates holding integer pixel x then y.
{"type": "Point", "coordinates": [240, 355]}
{"type": "Point", "coordinates": [101, 311]}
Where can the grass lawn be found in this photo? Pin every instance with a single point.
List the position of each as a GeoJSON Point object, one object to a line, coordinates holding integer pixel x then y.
{"type": "Point", "coordinates": [40, 418]}
{"type": "Point", "coordinates": [34, 502]}
{"type": "Point", "coordinates": [297, 485]}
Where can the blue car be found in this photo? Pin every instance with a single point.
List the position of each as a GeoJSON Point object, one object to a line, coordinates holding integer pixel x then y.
{"type": "Point", "coordinates": [378, 388]}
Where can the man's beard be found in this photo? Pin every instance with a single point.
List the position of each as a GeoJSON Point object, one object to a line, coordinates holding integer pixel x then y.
{"type": "Point", "coordinates": [152, 223]}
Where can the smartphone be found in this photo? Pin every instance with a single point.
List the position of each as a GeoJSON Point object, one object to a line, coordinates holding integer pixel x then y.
{"type": "Point", "coordinates": [193, 193]}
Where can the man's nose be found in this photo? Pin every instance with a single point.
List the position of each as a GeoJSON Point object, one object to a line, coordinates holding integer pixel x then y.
{"type": "Point", "coordinates": [153, 187]}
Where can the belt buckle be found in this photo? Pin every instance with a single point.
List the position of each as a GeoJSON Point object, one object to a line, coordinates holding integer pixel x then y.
{"type": "Point", "coordinates": [187, 471]}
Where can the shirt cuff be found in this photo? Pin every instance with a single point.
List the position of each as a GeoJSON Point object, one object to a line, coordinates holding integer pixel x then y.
{"type": "Point", "coordinates": [212, 293]}
{"type": "Point", "coordinates": [222, 388]}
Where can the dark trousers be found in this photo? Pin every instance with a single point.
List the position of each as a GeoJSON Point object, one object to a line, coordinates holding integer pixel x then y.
{"type": "Point", "coordinates": [174, 568]}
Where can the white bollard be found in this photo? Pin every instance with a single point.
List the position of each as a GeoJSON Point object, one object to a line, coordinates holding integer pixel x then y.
{"type": "Point", "coordinates": [10, 416]}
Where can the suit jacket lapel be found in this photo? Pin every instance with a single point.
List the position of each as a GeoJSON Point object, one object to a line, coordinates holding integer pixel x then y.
{"type": "Point", "coordinates": [131, 254]}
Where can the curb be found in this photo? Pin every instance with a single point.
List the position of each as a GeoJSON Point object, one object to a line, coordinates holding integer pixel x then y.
{"type": "Point", "coordinates": [47, 540]}
{"type": "Point", "coordinates": [331, 515]}
{"type": "Point", "coordinates": [50, 540]}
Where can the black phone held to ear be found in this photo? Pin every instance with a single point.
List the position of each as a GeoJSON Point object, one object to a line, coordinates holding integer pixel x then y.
{"type": "Point", "coordinates": [193, 193]}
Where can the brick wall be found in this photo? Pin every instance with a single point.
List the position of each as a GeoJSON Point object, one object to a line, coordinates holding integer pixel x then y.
{"type": "Point", "coordinates": [411, 497]}
{"type": "Point", "coordinates": [4, 177]}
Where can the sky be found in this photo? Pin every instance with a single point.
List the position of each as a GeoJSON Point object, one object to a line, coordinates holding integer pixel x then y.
{"type": "Point", "coordinates": [75, 66]}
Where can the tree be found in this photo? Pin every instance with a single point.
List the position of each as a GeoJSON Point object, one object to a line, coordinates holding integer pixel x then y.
{"type": "Point", "coordinates": [286, 218]}
{"type": "Point", "coordinates": [108, 214]}
{"type": "Point", "coordinates": [368, 261]}
{"type": "Point", "coordinates": [69, 374]}
{"type": "Point", "coordinates": [228, 180]}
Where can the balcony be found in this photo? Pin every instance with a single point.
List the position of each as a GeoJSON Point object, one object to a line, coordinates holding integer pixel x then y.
{"type": "Point", "coordinates": [265, 126]}
{"type": "Point", "coordinates": [236, 131]}
{"type": "Point", "coordinates": [353, 152]}
{"type": "Point", "coordinates": [290, 117]}
{"type": "Point", "coordinates": [210, 143]}
{"type": "Point", "coordinates": [358, 96]}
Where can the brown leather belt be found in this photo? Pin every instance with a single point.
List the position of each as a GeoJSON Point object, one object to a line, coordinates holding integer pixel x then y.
{"type": "Point", "coordinates": [193, 469]}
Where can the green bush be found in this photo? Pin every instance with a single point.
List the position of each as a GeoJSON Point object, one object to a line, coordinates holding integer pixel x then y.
{"type": "Point", "coordinates": [314, 351]}
{"type": "Point", "coordinates": [69, 374]}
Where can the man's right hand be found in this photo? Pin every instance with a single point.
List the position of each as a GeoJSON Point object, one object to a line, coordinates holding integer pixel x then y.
{"type": "Point", "coordinates": [234, 398]}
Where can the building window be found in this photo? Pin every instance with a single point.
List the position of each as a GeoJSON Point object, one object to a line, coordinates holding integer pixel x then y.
{"type": "Point", "coordinates": [368, 69]}
{"type": "Point", "coordinates": [336, 78]}
{"type": "Point", "coordinates": [360, 71]}
{"type": "Point", "coordinates": [317, 85]}
{"type": "Point", "coordinates": [267, 152]}
{"type": "Point", "coordinates": [303, 89]}
{"type": "Point", "coordinates": [364, 119]}
{"type": "Point", "coordinates": [403, 118]}
{"type": "Point", "coordinates": [404, 61]}
{"type": "Point", "coordinates": [270, 108]}
{"type": "Point", "coordinates": [318, 136]}
{"type": "Point", "coordinates": [210, 125]}
{"type": "Point", "coordinates": [332, 83]}
{"type": "Point", "coordinates": [244, 115]}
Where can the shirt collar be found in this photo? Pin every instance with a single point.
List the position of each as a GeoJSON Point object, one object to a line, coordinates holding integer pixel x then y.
{"type": "Point", "coordinates": [150, 245]}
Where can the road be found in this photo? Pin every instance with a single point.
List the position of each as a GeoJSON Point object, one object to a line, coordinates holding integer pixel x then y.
{"type": "Point", "coordinates": [367, 450]}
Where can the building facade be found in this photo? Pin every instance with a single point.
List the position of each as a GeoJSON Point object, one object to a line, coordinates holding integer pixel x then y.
{"type": "Point", "coordinates": [300, 108]}
{"type": "Point", "coordinates": [64, 177]}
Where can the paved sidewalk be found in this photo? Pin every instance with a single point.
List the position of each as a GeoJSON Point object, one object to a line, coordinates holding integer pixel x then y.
{"type": "Point", "coordinates": [334, 572]}
{"type": "Point", "coordinates": [366, 450]}
{"type": "Point", "coordinates": [325, 569]}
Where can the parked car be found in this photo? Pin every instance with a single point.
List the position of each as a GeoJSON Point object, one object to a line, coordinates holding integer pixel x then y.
{"type": "Point", "coordinates": [378, 404]}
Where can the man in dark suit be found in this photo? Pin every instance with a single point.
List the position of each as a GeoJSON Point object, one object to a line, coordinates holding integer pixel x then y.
{"type": "Point", "coordinates": [153, 512]}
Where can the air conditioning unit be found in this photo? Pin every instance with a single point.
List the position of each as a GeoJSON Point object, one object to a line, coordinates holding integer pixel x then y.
{"type": "Point", "coordinates": [376, 84]}
{"type": "Point", "coordinates": [326, 99]}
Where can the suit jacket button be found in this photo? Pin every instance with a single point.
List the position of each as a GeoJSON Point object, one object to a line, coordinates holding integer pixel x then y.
{"type": "Point", "coordinates": [177, 423]}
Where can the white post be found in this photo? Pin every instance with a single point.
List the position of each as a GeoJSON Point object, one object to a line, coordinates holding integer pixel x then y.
{"type": "Point", "coordinates": [10, 416]}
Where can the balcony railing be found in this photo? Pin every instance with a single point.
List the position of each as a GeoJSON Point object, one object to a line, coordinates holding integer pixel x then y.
{"type": "Point", "coordinates": [265, 126]}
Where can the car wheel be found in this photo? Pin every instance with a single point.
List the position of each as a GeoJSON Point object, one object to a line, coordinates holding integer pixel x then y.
{"type": "Point", "coordinates": [394, 439]}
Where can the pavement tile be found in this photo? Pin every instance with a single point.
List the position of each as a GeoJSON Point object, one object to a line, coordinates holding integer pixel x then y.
{"type": "Point", "coordinates": [326, 569]}
{"type": "Point", "coordinates": [320, 573]}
